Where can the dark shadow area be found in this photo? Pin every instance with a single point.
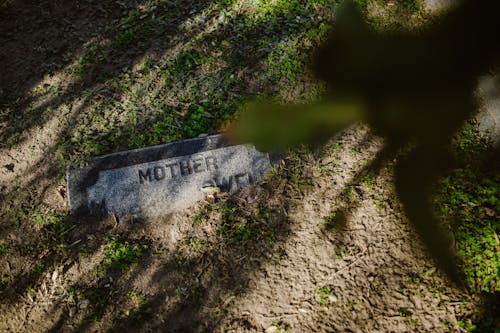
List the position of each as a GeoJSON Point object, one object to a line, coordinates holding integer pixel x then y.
{"type": "Point", "coordinates": [349, 203]}
{"type": "Point", "coordinates": [67, 33]}
{"type": "Point", "coordinates": [195, 282]}
{"type": "Point", "coordinates": [113, 37]}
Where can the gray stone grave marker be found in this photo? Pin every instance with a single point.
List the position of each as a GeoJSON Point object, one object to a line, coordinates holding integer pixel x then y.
{"type": "Point", "coordinates": [158, 180]}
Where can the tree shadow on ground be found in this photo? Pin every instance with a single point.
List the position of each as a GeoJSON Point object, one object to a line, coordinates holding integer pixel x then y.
{"type": "Point", "coordinates": [191, 289]}
{"type": "Point", "coordinates": [192, 284]}
{"type": "Point", "coordinates": [92, 45]}
{"type": "Point", "coordinates": [114, 36]}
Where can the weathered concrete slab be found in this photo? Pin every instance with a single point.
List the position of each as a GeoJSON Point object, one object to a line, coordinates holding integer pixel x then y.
{"type": "Point", "coordinates": [158, 180]}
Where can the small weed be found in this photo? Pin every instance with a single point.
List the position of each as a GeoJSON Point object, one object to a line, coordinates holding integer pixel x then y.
{"type": "Point", "coordinates": [140, 303]}
{"type": "Point", "coordinates": [467, 326]}
{"type": "Point", "coordinates": [354, 151]}
{"type": "Point", "coordinates": [329, 222]}
{"type": "Point", "coordinates": [121, 253]}
{"type": "Point", "coordinates": [413, 278]}
{"type": "Point", "coordinates": [84, 62]}
{"type": "Point", "coordinates": [3, 250]}
{"type": "Point", "coordinates": [58, 228]}
{"type": "Point", "coordinates": [197, 242]}
{"type": "Point", "coordinates": [99, 297]}
{"type": "Point", "coordinates": [300, 181]}
{"type": "Point", "coordinates": [187, 61]}
{"type": "Point", "coordinates": [219, 312]}
{"type": "Point", "coordinates": [181, 292]}
{"type": "Point", "coordinates": [182, 263]}
{"type": "Point", "coordinates": [199, 217]}
{"type": "Point", "coordinates": [326, 296]}
{"type": "Point", "coordinates": [196, 122]}
{"type": "Point", "coordinates": [369, 182]}
{"type": "Point", "coordinates": [132, 17]}
{"type": "Point", "coordinates": [404, 312]}
{"type": "Point", "coordinates": [4, 281]}
{"type": "Point", "coordinates": [280, 328]}
{"type": "Point", "coordinates": [236, 229]}
{"type": "Point", "coordinates": [335, 220]}
{"type": "Point", "coordinates": [123, 40]}
{"type": "Point", "coordinates": [347, 250]}
{"type": "Point", "coordinates": [468, 204]}
{"type": "Point", "coordinates": [235, 233]}
{"type": "Point", "coordinates": [39, 268]}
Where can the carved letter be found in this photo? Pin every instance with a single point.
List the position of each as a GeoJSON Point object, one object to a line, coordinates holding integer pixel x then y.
{"type": "Point", "coordinates": [172, 170]}
{"type": "Point", "coordinates": [185, 168]}
{"type": "Point", "coordinates": [159, 172]}
{"type": "Point", "coordinates": [198, 165]}
{"type": "Point", "coordinates": [144, 176]}
{"type": "Point", "coordinates": [211, 161]}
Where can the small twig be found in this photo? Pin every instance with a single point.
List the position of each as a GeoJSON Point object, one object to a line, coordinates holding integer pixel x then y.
{"type": "Point", "coordinates": [359, 257]}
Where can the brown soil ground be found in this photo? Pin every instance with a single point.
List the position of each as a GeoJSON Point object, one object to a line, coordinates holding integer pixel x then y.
{"type": "Point", "coordinates": [369, 274]}
{"type": "Point", "coordinates": [321, 245]}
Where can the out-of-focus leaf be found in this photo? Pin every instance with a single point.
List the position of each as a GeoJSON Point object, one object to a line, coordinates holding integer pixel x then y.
{"type": "Point", "coordinates": [273, 127]}
{"type": "Point", "coordinates": [410, 87]}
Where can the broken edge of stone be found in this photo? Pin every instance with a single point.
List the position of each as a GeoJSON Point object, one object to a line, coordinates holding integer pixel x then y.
{"type": "Point", "coordinates": [79, 179]}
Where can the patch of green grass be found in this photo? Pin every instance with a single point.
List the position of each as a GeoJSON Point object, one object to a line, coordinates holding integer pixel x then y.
{"type": "Point", "coordinates": [329, 222]}
{"type": "Point", "coordinates": [300, 181]}
{"type": "Point", "coordinates": [469, 146]}
{"type": "Point", "coordinates": [369, 182]}
{"type": "Point", "coordinates": [88, 58]}
{"type": "Point", "coordinates": [337, 219]}
{"type": "Point", "coordinates": [164, 130]}
{"type": "Point", "coordinates": [124, 40]}
{"type": "Point", "coordinates": [413, 278]}
{"type": "Point", "coordinates": [325, 296]}
{"type": "Point", "coordinates": [182, 262]}
{"type": "Point", "coordinates": [3, 250]}
{"type": "Point", "coordinates": [58, 231]}
{"type": "Point", "coordinates": [132, 18]}
{"type": "Point", "coordinates": [280, 328]}
{"type": "Point", "coordinates": [225, 3]}
{"type": "Point", "coordinates": [285, 61]}
{"type": "Point", "coordinates": [237, 228]}
{"type": "Point", "coordinates": [404, 312]}
{"type": "Point", "coordinates": [195, 242]}
{"type": "Point", "coordinates": [38, 269]}
{"type": "Point", "coordinates": [467, 202]}
{"type": "Point", "coordinates": [122, 253]}
{"type": "Point", "coordinates": [140, 303]}
{"type": "Point", "coordinates": [468, 326]}
{"type": "Point", "coordinates": [200, 216]}
{"type": "Point", "coordinates": [188, 61]}
{"type": "Point", "coordinates": [4, 281]}
{"type": "Point", "coordinates": [393, 15]}
{"type": "Point", "coordinates": [235, 233]}
{"type": "Point", "coordinates": [99, 298]}
{"type": "Point", "coordinates": [196, 122]}
{"type": "Point", "coordinates": [56, 226]}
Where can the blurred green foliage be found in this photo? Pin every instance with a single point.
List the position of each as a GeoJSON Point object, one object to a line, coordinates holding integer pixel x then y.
{"type": "Point", "coordinates": [415, 88]}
